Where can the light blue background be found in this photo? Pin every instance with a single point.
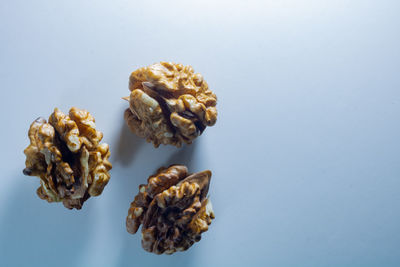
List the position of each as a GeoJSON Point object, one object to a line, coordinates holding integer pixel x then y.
{"type": "Point", "coordinates": [305, 154]}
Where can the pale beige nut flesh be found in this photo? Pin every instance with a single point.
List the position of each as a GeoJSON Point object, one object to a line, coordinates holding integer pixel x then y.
{"type": "Point", "coordinates": [66, 154]}
{"type": "Point", "coordinates": [173, 209]}
{"type": "Point", "coordinates": [169, 104]}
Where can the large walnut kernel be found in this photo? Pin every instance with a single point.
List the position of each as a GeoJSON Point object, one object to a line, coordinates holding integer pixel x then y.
{"type": "Point", "coordinates": [172, 208]}
{"type": "Point", "coordinates": [66, 155]}
{"type": "Point", "coordinates": [169, 104]}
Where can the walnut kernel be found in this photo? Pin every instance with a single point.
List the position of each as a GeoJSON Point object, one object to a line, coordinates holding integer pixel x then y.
{"type": "Point", "coordinates": [66, 155]}
{"type": "Point", "coordinates": [173, 210]}
{"type": "Point", "coordinates": [169, 104]}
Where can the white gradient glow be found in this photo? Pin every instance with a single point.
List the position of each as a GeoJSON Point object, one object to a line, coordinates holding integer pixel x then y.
{"type": "Point", "coordinates": [305, 154]}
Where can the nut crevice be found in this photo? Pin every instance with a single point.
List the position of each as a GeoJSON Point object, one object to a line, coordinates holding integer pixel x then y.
{"type": "Point", "coordinates": [149, 89]}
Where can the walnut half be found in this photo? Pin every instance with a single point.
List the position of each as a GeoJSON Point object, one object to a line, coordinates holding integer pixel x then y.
{"type": "Point", "coordinates": [169, 104]}
{"type": "Point", "coordinates": [66, 155]}
{"type": "Point", "coordinates": [173, 209]}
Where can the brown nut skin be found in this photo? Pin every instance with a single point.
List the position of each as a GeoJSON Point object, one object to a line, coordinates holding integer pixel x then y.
{"type": "Point", "coordinates": [169, 104]}
{"type": "Point", "coordinates": [172, 208]}
{"type": "Point", "coordinates": [66, 155]}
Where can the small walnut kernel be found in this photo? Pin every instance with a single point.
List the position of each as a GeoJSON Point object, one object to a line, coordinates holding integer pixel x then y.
{"type": "Point", "coordinates": [66, 155]}
{"type": "Point", "coordinates": [169, 104]}
{"type": "Point", "coordinates": [173, 209]}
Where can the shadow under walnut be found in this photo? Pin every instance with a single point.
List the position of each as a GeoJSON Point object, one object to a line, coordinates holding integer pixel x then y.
{"type": "Point", "coordinates": [127, 147]}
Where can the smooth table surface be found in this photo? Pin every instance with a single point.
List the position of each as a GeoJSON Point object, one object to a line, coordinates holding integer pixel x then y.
{"type": "Point", "coordinates": [305, 154]}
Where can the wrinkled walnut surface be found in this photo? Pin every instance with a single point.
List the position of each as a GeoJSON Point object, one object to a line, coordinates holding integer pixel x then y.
{"type": "Point", "coordinates": [66, 155]}
{"type": "Point", "coordinates": [169, 104]}
{"type": "Point", "coordinates": [172, 208]}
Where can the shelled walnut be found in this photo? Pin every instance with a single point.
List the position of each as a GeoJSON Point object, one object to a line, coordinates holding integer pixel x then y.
{"type": "Point", "coordinates": [169, 104]}
{"type": "Point", "coordinates": [173, 209]}
{"type": "Point", "coordinates": [66, 155]}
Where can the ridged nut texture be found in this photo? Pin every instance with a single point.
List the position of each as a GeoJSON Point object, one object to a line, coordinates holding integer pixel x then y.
{"type": "Point", "coordinates": [169, 104]}
{"type": "Point", "coordinates": [66, 154]}
{"type": "Point", "coordinates": [173, 210]}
